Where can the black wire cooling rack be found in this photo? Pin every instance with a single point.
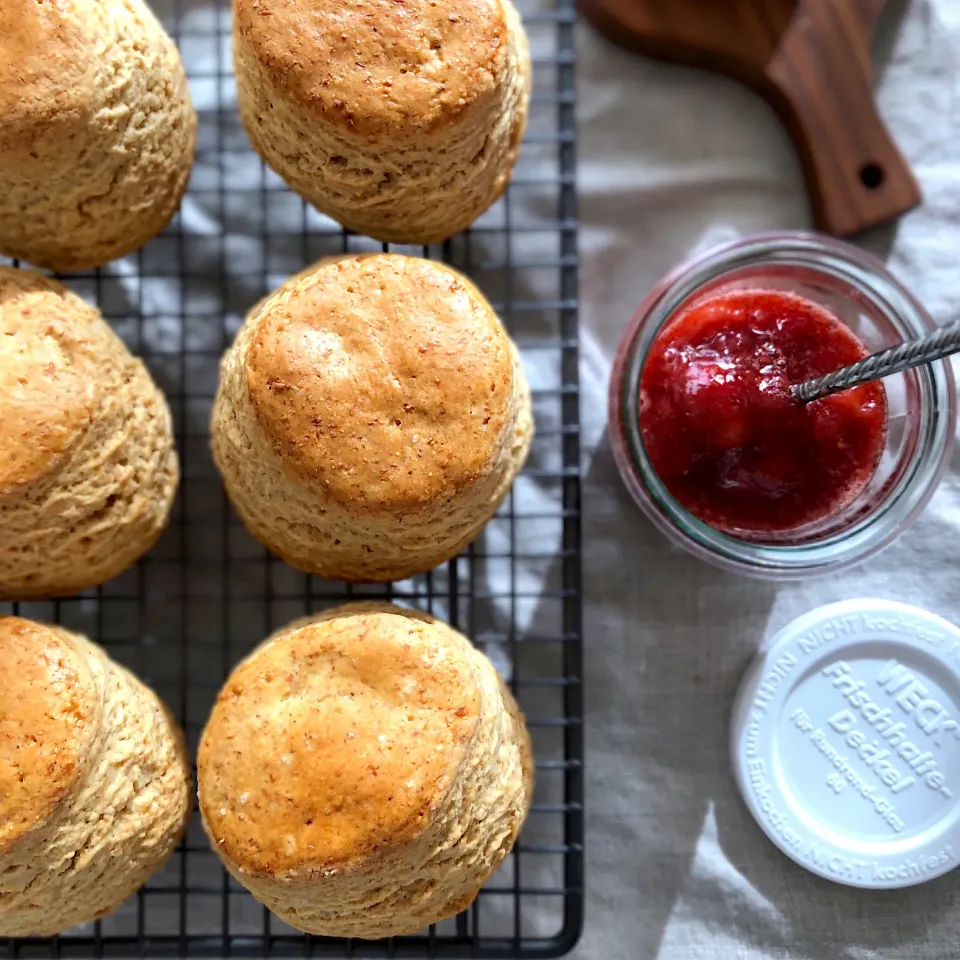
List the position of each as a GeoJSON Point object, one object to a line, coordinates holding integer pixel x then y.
{"type": "Point", "coordinates": [208, 593]}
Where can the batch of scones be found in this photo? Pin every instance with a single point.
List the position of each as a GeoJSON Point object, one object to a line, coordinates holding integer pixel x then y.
{"type": "Point", "coordinates": [364, 770]}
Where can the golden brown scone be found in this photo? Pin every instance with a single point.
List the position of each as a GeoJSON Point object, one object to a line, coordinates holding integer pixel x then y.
{"type": "Point", "coordinates": [97, 130]}
{"type": "Point", "coordinates": [364, 771]}
{"type": "Point", "coordinates": [371, 416]}
{"type": "Point", "coordinates": [94, 781]}
{"type": "Point", "coordinates": [400, 120]}
{"type": "Point", "coordinates": [88, 470]}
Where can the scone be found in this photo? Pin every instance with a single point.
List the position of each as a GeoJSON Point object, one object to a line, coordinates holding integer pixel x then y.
{"type": "Point", "coordinates": [371, 416]}
{"type": "Point", "coordinates": [88, 470]}
{"type": "Point", "coordinates": [94, 781]}
{"type": "Point", "coordinates": [97, 130]}
{"type": "Point", "coordinates": [401, 121]}
{"type": "Point", "coordinates": [364, 771]}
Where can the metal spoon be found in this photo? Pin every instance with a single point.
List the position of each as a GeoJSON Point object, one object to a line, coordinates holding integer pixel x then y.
{"type": "Point", "coordinates": [914, 353]}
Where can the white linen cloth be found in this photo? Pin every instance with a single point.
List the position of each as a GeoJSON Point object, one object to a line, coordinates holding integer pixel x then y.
{"type": "Point", "coordinates": [673, 160]}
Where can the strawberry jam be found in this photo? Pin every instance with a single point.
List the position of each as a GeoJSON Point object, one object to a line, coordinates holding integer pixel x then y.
{"type": "Point", "coordinates": [723, 431]}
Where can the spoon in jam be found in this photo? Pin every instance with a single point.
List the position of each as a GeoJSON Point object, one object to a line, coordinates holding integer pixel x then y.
{"type": "Point", "coordinates": [914, 353]}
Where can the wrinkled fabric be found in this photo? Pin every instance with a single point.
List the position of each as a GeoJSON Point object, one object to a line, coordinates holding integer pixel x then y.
{"type": "Point", "coordinates": [672, 161]}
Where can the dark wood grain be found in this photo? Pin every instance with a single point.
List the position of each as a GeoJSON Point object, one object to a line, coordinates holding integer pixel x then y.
{"type": "Point", "coordinates": [811, 60]}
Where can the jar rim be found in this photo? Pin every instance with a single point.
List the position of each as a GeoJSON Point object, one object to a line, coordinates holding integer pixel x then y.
{"type": "Point", "coordinates": [870, 279]}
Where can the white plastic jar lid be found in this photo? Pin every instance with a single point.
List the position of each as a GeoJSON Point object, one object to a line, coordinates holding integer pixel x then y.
{"type": "Point", "coordinates": [846, 743]}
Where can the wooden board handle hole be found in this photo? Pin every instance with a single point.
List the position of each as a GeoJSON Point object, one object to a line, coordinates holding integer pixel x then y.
{"type": "Point", "coordinates": [872, 176]}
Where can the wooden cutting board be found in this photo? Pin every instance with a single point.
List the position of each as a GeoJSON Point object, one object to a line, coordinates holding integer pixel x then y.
{"type": "Point", "coordinates": [810, 59]}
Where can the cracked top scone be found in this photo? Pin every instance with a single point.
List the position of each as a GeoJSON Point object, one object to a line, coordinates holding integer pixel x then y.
{"type": "Point", "coordinates": [97, 130]}
{"type": "Point", "coordinates": [371, 416]}
{"type": "Point", "coordinates": [94, 781]}
{"type": "Point", "coordinates": [88, 469]}
{"type": "Point", "coordinates": [364, 771]}
{"type": "Point", "coordinates": [401, 121]}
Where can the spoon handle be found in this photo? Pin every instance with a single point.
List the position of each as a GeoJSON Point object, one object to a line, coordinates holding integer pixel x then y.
{"type": "Point", "coordinates": [934, 346]}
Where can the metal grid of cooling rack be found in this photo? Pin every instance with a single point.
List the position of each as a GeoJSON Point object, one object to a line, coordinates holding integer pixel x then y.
{"type": "Point", "coordinates": [208, 593]}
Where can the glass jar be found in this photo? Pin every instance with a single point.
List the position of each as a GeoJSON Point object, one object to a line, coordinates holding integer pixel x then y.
{"type": "Point", "coordinates": [857, 289]}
